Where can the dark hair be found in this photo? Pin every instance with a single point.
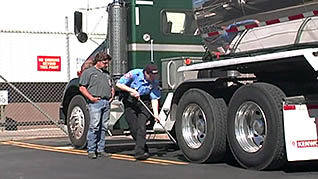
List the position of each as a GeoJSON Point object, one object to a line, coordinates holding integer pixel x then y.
{"type": "Point", "coordinates": [101, 56]}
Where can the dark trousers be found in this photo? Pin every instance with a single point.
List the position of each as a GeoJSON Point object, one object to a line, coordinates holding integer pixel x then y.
{"type": "Point", "coordinates": [137, 117]}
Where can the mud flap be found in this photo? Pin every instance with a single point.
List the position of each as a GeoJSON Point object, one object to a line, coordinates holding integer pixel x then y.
{"type": "Point", "coordinates": [301, 128]}
{"type": "Point", "coordinates": [165, 116]}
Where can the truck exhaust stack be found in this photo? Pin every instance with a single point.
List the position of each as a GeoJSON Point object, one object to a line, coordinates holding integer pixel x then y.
{"type": "Point", "coordinates": [117, 35]}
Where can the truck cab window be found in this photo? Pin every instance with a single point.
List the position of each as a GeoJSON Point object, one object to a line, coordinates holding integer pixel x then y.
{"type": "Point", "coordinates": [178, 23]}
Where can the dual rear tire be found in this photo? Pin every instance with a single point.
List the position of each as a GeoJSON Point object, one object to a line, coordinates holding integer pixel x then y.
{"type": "Point", "coordinates": [201, 127]}
{"type": "Point", "coordinates": [253, 127]}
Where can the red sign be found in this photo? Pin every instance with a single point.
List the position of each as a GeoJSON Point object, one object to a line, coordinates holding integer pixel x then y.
{"type": "Point", "coordinates": [49, 63]}
{"type": "Point", "coordinates": [307, 143]}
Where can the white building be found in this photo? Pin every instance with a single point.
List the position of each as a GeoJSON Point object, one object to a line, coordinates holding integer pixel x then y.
{"type": "Point", "coordinates": [35, 40]}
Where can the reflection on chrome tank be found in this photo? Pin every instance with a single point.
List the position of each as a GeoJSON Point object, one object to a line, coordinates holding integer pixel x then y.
{"type": "Point", "coordinates": [232, 26]}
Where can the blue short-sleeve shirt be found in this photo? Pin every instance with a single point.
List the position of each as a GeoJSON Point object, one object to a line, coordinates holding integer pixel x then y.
{"type": "Point", "coordinates": [137, 80]}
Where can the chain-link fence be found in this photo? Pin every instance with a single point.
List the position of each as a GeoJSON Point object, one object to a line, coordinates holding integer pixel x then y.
{"type": "Point", "coordinates": [30, 110]}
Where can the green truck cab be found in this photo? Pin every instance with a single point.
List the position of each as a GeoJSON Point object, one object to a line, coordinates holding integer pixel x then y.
{"type": "Point", "coordinates": [138, 33]}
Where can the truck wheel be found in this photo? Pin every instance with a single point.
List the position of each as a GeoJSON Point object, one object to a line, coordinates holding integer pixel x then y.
{"type": "Point", "coordinates": [255, 126]}
{"type": "Point", "coordinates": [78, 121]}
{"type": "Point", "coordinates": [201, 127]}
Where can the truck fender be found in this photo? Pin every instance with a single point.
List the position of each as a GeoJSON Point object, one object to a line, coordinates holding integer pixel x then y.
{"type": "Point", "coordinates": [70, 91]}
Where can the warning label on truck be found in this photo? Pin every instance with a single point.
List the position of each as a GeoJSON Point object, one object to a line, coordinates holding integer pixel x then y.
{"type": "Point", "coordinates": [307, 143]}
{"type": "Point", "coordinates": [49, 63]}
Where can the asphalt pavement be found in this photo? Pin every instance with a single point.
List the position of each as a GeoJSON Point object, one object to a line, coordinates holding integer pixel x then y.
{"type": "Point", "coordinates": [55, 158]}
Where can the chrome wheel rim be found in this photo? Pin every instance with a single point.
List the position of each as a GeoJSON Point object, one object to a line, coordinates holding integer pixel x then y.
{"type": "Point", "coordinates": [194, 126]}
{"type": "Point", "coordinates": [250, 127]}
{"type": "Point", "coordinates": [77, 122]}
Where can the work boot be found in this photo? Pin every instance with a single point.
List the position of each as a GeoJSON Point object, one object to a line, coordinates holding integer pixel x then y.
{"type": "Point", "coordinates": [92, 155]}
{"type": "Point", "coordinates": [143, 156]}
{"type": "Point", "coordinates": [146, 149]}
{"type": "Point", "coordinates": [103, 154]}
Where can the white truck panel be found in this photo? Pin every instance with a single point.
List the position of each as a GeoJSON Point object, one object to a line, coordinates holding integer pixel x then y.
{"type": "Point", "coordinates": [32, 28]}
{"type": "Point", "coordinates": [165, 119]}
{"type": "Point", "coordinates": [300, 125]}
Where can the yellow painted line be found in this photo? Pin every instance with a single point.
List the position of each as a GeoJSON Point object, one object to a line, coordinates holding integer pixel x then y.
{"type": "Point", "coordinates": [149, 161]}
{"type": "Point", "coordinates": [42, 147]}
{"type": "Point", "coordinates": [36, 137]}
{"type": "Point", "coordinates": [152, 159]}
{"type": "Point", "coordinates": [121, 158]}
{"type": "Point", "coordinates": [168, 161]}
{"type": "Point", "coordinates": [82, 152]}
{"type": "Point", "coordinates": [65, 148]}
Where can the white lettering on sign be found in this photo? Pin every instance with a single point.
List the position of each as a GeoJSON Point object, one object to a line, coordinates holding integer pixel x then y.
{"type": "Point", "coordinates": [307, 143]}
{"type": "Point", "coordinates": [3, 97]}
{"type": "Point", "coordinates": [49, 63]}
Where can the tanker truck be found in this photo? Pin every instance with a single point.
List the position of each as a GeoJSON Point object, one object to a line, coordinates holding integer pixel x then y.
{"type": "Point", "coordinates": [255, 89]}
{"type": "Point", "coordinates": [249, 89]}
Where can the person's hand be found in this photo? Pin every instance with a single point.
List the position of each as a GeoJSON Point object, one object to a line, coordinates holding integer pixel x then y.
{"type": "Point", "coordinates": [134, 93]}
{"type": "Point", "coordinates": [157, 118]}
{"type": "Point", "coordinates": [94, 99]}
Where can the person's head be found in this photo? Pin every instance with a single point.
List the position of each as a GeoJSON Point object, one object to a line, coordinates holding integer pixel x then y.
{"type": "Point", "coordinates": [151, 72]}
{"type": "Point", "coordinates": [102, 60]}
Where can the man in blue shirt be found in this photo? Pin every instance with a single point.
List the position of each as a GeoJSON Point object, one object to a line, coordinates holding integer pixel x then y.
{"type": "Point", "coordinates": [140, 84]}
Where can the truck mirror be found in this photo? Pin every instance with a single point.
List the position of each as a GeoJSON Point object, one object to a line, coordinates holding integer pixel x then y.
{"type": "Point", "coordinates": [77, 22]}
{"type": "Point", "coordinates": [81, 36]}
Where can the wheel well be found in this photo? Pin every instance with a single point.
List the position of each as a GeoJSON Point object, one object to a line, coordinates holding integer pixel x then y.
{"type": "Point", "coordinates": [217, 89]}
{"type": "Point", "coordinates": [68, 96]}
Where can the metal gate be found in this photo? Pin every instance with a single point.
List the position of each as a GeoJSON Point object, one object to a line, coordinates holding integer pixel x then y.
{"type": "Point", "coordinates": [30, 110]}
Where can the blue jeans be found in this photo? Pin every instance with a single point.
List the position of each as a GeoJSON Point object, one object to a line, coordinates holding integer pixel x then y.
{"type": "Point", "coordinates": [99, 115]}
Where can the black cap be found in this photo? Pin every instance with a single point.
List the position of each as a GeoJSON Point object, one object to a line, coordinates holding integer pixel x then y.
{"type": "Point", "coordinates": [152, 70]}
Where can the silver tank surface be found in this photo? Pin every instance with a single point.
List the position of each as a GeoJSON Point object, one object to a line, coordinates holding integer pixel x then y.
{"type": "Point", "coordinates": [117, 37]}
{"type": "Point", "coordinates": [232, 26]}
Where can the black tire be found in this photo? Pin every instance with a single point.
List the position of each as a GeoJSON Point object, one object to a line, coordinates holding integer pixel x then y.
{"type": "Point", "coordinates": [76, 132]}
{"type": "Point", "coordinates": [210, 145]}
{"type": "Point", "coordinates": [256, 110]}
